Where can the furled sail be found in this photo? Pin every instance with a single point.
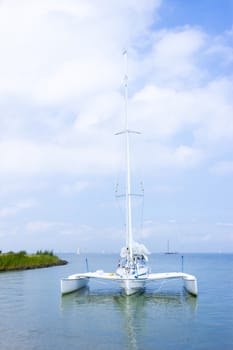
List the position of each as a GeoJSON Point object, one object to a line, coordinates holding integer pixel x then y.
{"type": "Point", "coordinates": [138, 249]}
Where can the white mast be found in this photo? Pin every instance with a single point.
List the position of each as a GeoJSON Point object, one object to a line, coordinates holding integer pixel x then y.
{"type": "Point", "coordinates": [129, 235]}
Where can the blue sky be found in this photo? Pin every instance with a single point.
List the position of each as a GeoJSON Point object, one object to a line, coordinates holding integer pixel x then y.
{"type": "Point", "coordinates": [61, 102]}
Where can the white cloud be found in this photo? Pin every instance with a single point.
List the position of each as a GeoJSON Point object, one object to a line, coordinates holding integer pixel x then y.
{"type": "Point", "coordinates": [30, 158]}
{"type": "Point", "coordinates": [61, 97]}
{"type": "Point", "coordinates": [230, 224]}
{"type": "Point", "coordinates": [164, 189]}
{"type": "Point", "coordinates": [187, 156]}
{"type": "Point", "coordinates": [187, 235]}
{"type": "Point", "coordinates": [17, 207]}
{"type": "Point", "coordinates": [57, 227]}
{"type": "Point", "coordinates": [206, 110]}
{"type": "Point", "coordinates": [221, 46]}
{"type": "Point", "coordinates": [65, 49]}
{"type": "Point", "coordinates": [75, 235]}
{"type": "Point", "coordinates": [74, 188]}
{"type": "Point", "coordinates": [174, 54]}
{"type": "Point", "coordinates": [223, 168]}
{"type": "Point", "coordinates": [57, 66]}
{"type": "Point", "coordinates": [182, 157]}
{"type": "Point", "coordinates": [43, 226]}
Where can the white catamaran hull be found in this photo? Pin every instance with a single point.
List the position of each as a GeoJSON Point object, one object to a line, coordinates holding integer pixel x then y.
{"type": "Point", "coordinates": [73, 283]}
{"type": "Point", "coordinates": [129, 285]}
{"type": "Point", "coordinates": [190, 284]}
{"type": "Point", "coordinates": [190, 281]}
{"type": "Point", "coordinates": [132, 286]}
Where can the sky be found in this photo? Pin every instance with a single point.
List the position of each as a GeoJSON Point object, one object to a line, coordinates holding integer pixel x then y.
{"type": "Point", "coordinates": [62, 101]}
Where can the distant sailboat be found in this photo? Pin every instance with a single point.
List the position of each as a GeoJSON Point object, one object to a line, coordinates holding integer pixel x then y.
{"type": "Point", "coordinates": [168, 251]}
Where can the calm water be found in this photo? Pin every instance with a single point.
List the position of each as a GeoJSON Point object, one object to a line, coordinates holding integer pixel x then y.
{"type": "Point", "coordinates": [33, 315]}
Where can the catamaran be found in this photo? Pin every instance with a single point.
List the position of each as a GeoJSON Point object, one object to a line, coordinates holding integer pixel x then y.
{"type": "Point", "coordinates": [133, 271]}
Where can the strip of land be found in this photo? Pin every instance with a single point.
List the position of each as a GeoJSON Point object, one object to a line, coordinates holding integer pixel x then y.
{"type": "Point", "coordinates": [22, 261]}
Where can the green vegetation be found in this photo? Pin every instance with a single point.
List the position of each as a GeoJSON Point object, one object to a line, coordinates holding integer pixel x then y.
{"type": "Point", "coordinates": [22, 261]}
{"type": "Point", "coordinates": [45, 252]}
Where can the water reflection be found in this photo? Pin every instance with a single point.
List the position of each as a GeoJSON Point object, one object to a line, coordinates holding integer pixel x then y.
{"type": "Point", "coordinates": [134, 315]}
{"type": "Point", "coordinates": [136, 310]}
{"type": "Point", "coordinates": [137, 313]}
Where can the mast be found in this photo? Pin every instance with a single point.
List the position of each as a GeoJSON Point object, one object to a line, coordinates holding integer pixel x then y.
{"type": "Point", "coordinates": [129, 235]}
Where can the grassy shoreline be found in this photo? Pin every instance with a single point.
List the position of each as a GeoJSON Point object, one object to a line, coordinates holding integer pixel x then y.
{"type": "Point", "coordinates": [22, 261]}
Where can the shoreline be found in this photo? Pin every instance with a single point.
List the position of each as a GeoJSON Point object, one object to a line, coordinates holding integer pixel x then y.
{"type": "Point", "coordinates": [60, 263]}
{"type": "Point", "coordinates": [22, 261]}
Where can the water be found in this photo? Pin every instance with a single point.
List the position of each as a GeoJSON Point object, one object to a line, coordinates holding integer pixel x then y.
{"type": "Point", "coordinates": [34, 316]}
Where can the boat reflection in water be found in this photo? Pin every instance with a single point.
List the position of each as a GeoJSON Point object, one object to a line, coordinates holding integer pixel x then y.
{"type": "Point", "coordinates": [134, 318]}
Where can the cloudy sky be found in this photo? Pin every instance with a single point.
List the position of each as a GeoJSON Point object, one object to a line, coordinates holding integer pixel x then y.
{"type": "Point", "coordinates": [61, 102]}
